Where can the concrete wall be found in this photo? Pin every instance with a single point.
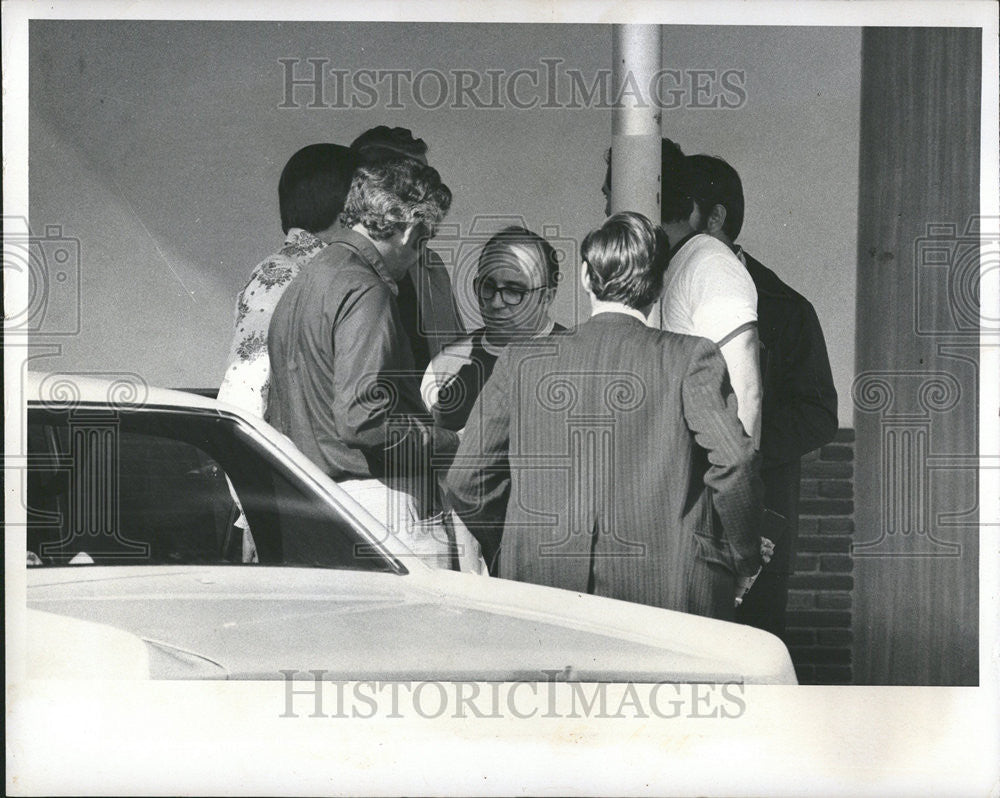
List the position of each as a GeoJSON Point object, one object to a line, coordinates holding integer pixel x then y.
{"type": "Point", "coordinates": [159, 144]}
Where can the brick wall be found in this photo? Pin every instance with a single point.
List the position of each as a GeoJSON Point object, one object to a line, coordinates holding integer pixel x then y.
{"type": "Point", "coordinates": [819, 596]}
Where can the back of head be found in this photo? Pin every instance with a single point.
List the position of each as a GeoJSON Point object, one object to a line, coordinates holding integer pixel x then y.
{"type": "Point", "coordinates": [389, 195]}
{"type": "Point", "coordinates": [314, 185]}
{"type": "Point", "coordinates": [519, 239]}
{"type": "Point", "coordinates": [676, 203]}
{"type": "Point", "coordinates": [717, 183]}
{"type": "Point", "coordinates": [382, 142]}
{"type": "Point", "coordinates": [626, 257]}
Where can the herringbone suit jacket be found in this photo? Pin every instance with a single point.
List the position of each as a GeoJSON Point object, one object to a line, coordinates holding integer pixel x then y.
{"type": "Point", "coordinates": [628, 472]}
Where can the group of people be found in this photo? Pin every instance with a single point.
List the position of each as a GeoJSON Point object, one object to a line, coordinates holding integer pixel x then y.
{"type": "Point", "coordinates": [649, 454]}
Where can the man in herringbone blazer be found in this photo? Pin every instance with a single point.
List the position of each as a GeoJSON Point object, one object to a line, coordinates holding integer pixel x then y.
{"type": "Point", "coordinates": [629, 472]}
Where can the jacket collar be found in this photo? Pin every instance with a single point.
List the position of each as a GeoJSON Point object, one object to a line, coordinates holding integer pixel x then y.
{"type": "Point", "coordinates": [765, 281]}
{"type": "Point", "coordinates": [614, 317]}
{"type": "Point", "coordinates": [367, 252]}
{"type": "Point", "coordinates": [615, 309]}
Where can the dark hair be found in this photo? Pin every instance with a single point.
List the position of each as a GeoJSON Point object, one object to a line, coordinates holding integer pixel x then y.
{"type": "Point", "coordinates": [314, 185]}
{"type": "Point", "coordinates": [718, 183]}
{"type": "Point", "coordinates": [675, 201]}
{"type": "Point", "coordinates": [626, 257]}
{"type": "Point", "coordinates": [388, 196]}
{"type": "Point", "coordinates": [512, 236]}
{"type": "Point", "coordinates": [383, 142]}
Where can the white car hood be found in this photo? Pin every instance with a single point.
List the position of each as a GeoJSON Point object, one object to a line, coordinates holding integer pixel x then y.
{"type": "Point", "coordinates": [246, 622]}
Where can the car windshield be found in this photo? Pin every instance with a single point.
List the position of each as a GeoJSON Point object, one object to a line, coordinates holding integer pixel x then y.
{"type": "Point", "coordinates": [159, 486]}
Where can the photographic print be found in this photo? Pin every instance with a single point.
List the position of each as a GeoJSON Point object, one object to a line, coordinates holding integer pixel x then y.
{"type": "Point", "coordinates": [572, 399]}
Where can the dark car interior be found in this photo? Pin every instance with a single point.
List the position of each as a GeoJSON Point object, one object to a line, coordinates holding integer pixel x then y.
{"type": "Point", "coordinates": [166, 486]}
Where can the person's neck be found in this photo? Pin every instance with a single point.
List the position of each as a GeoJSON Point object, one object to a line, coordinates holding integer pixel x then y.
{"type": "Point", "coordinates": [676, 231]}
{"type": "Point", "coordinates": [718, 234]}
{"type": "Point", "coordinates": [501, 338]}
{"type": "Point", "coordinates": [326, 236]}
{"type": "Point", "coordinates": [389, 249]}
{"type": "Point", "coordinates": [602, 306]}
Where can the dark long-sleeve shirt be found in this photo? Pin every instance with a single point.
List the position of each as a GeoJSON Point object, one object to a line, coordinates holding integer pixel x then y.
{"type": "Point", "coordinates": [800, 402]}
{"type": "Point", "coordinates": [343, 385]}
{"type": "Point", "coordinates": [799, 412]}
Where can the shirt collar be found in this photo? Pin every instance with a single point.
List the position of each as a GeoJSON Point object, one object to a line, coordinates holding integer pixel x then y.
{"type": "Point", "coordinates": [681, 243]}
{"type": "Point", "coordinates": [738, 252]}
{"type": "Point", "coordinates": [367, 252]}
{"type": "Point", "coordinates": [621, 308]}
{"type": "Point", "coordinates": [302, 239]}
{"type": "Point", "coordinates": [493, 349]}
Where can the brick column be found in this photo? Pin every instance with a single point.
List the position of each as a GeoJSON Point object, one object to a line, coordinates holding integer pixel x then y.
{"type": "Point", "coordinates": [819, 598]}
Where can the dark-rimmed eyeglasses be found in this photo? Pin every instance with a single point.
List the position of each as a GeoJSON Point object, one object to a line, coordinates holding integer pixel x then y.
{"type": "Point", "coordinates": [508, 295]}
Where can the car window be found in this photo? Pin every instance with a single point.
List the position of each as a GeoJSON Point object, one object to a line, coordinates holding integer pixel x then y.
{"type": "Point", "coordinates": [164, 486]}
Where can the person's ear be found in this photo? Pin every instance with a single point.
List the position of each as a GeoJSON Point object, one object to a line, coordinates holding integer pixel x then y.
{"type": "Point", "coordinates": [716, 219]}
{"type": "Point", "coordinates": [585, 277]}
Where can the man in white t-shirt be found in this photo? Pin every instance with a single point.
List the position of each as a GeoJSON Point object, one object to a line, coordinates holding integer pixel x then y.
{"type": "Point", "coordinates": [707, 291]}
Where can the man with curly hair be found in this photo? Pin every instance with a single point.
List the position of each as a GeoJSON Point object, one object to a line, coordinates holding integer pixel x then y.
{"type": "Point", "coordinates": [426, 301]}
{"type": "Point", "coordinates": [343, 383]}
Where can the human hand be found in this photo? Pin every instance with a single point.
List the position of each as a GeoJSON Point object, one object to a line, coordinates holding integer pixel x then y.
{"type": "Point", "coordinates": [766, 550]}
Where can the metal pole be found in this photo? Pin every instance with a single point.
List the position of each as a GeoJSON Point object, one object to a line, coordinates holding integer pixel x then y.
{"type": "Point", "coordinates": [635, 121]}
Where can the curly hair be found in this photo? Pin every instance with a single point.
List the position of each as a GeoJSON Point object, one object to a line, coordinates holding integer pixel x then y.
{"type": "Point", "coordinates": [626, 257]}
{"type": "Point", "coordinates": [388, 196]}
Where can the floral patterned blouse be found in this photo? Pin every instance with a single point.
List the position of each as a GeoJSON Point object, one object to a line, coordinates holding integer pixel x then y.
{"type": "Point", "coordinates": [248, 370]}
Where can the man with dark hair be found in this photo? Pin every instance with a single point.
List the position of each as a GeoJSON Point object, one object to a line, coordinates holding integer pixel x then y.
{"type": "Point", "coordinates": [800, 400]}
{"type": "Point", "coordinates": [707, 292]}
{"type": "Point", "coordinates": [630, 475]}
{"type": "Point", "coordinates": [426, 302]}
{"type": "Point", "coordinates": [383, 141]}
{"type": "Point", "coordinates": [311, 194]}
{"type": "Point", "coordinates": [343, 385]}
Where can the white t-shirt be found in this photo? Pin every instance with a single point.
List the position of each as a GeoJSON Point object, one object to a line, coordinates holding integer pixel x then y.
{"type": "Point", "coordinates": [707, 292]}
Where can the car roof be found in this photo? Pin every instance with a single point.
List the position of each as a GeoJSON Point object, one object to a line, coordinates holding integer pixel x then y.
{"type": "Point", "coordinates": [122, 389]}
